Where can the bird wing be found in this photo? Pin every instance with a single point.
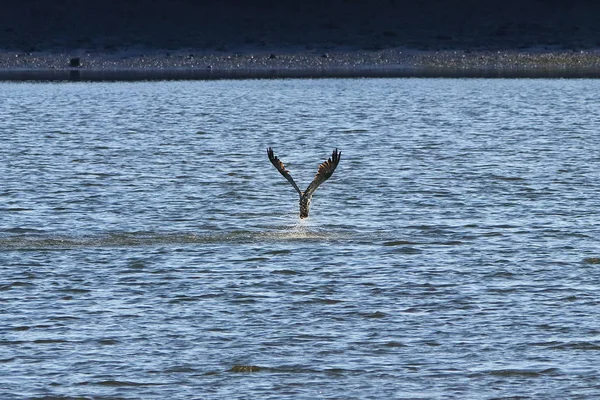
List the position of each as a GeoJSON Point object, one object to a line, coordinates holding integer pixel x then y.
{"type": "Point", "coordinates": [325, 171]}
{"type": "Point", "coordinates": [281, 168]}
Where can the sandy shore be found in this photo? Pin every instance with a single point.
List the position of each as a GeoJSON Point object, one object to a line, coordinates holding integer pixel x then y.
{"type": "Point", "coordinates": [159, 39]}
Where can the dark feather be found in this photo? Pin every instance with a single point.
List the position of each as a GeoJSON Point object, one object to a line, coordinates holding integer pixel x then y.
{"type": "Point", "coordinates": [325, 171]}
{"type": "Point", "coordinates": [277, 163]}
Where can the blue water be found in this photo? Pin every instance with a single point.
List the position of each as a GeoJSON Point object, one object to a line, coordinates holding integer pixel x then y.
{"type": "Point", "coordinates": [148, 249]}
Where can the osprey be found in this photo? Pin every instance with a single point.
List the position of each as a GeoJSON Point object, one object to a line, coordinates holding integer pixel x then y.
{"type": "Point", "coordinates": [325, 171]}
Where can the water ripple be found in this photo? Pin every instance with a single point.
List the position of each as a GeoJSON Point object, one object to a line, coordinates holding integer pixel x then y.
{"type": "Point", "coordinates": [148, 249]}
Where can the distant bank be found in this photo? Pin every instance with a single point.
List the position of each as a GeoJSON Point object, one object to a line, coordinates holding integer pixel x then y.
{"type": "Point", "coordinates": [195, 39]}
{"type": "Point", "coordinates": [186, 65]}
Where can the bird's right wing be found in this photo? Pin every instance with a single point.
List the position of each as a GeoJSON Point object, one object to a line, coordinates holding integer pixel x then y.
{"type": "Point", "coordinates": [325, 171]}
{"type": "Point", "coordinates": [281, 168]}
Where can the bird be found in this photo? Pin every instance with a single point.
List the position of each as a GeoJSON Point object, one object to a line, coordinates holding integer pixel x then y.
{"type": "Point", "coordinates": [325, 171]}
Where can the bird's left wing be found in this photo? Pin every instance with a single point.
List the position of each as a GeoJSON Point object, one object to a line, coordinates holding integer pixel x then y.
{"type": "Point", "coordinates": [277, 163]}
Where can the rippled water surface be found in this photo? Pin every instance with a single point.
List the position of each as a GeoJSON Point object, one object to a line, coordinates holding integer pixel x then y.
{"type": "Point", "coordinates": [148, 249]}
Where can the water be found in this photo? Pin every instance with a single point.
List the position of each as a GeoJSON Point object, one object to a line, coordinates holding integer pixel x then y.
{"type": "Point", "coordinates": [148, 249]}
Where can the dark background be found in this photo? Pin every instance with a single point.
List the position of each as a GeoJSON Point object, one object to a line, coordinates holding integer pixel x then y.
{"type": "Point", "coordinates": [222, 26]}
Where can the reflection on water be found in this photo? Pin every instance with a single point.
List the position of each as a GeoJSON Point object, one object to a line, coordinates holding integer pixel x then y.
{"type": "Point", "coordinates": [148, 249]}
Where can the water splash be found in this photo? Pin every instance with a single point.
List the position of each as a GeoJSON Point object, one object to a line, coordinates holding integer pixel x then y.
{"type": "Point", "coordinates": [27, 241]}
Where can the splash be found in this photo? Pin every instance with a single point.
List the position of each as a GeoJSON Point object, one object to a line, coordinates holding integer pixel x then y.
{"type": "Point", "coordinates": [295, 228]}
{"type": "Point", "coordinates": [301, 230]}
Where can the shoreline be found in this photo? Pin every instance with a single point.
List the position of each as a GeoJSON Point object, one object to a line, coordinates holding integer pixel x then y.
{"type": "Point", "coordinates": [181, 74]}
{"type": "Point", "coordinates": [153, 65]}
{"type": "Point", "coordinates": [158, 39]}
